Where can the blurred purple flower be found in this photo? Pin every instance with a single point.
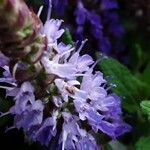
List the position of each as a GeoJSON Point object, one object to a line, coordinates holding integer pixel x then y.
{"type": "Point", "coordinates": [87, 144]}
{"type": "Point", "coordinates": [103, 24]}
{"type": "Point", "coordinates": [80, 13]}
{"type": "Point", "coordinates": [109, 4]}
{"type": "Point", "coordinates": [59, 6]}
{"type": "Point", "coordinates": [3, 60]}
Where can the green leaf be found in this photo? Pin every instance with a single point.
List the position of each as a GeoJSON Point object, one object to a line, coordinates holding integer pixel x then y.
{"type": "Point", "coordinates": [5, 103]}
{"type": "Point", "coordinates": [35, 3]}
{"type": "Point", "coordinates": [67, 38]}
{"type": "Point", "coordinates": [127, 86]}
{"type": "Point", "coordinates": [146, 107]}
{"type": "Point", "coordinates": [136, 56]}
{"type": "Point", "coordinates": [143, 143]}
{"type": "Point", "coordinates": [146, 74]}
{"type": "Point", "coordinates": [116, 145]}
{"type": "Point", "coordinates": [4, 107]}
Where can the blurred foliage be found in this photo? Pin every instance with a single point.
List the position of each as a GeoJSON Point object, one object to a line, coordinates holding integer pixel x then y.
{"type": "Point", "coordinates": [143, 143]}
{"type": "Point", "coordinates": [133, 89]}
{"type": "Point", "coordinates": [146, 107]}
{"type": "Point", "coordinates": [145, 76]}
{"type": "Point", "coordinates": [135, 16]}
{"type": "Point", "coordinates": [35, 3]}
{"type": "Point", "coordinates": [5, 104]}
{"type": "Point", "coordinates": [128, 86]}
{"type": "Point", "coordinates": [66, 37]}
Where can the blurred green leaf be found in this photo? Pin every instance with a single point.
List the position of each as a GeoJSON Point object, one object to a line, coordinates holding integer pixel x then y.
{"type": "Point", "coordinates": [146, 74]}
{"type": "Point", "coordinates": [4, 107]}
{"type": "Point", "coordinates": [66, 38]}
{"type": "Point", "coordinates": [146, 107]}
{"type": "Point", "coordinates": [35, 3]}
{"type": "Point", "coordinates": [136, 56]}
{"type": "Point", "coordinates": [127, 86]}
{"type": "Point", "coordinates": [4, 120]}
{"type": "Point", "coordinates": [116, 145]}
{"type": "Point", "coordinates": [143, 143]}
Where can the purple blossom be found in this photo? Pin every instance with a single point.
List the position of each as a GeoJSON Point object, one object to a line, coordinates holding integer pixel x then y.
{"type": "Point", "coordinates": [31, 116]}
{"type": "Point", "coordinates": [7, 77]}
{"type": "Point", "coordinates": [99, 101]}
{"type": "Point", "coordinates": [70, 131]}
{"type": "Point", "coordinates": [27, 111]}
{"type": "Point", "coordinates": [109, 4]}
{"type": "Point", "coordinates": [3, 60]}
{"type": "Point", "coordinates": [114, 27]}
{"type": "Point", "coordinates": [63, 50]}
{"type": "Point", "coordinates": [91, 22]}
{"type": "Point", "coordinates": [74, 94]}
{"type": "Point", "coordinates": [80, 13]}
{"type": "Point", "coordinates": [57, 101]}
{"type": "Point", "coordinates": [62, 70]}
{"type": "Point", "coordinates": [87, 144]}
{"type": "Point", "coordinates": [93, 86]}
{"type": "Point", "coordinates": [68, 89]}
{"type": "Point", "coordinates": [51, 30]}
{"type": "Point", "coordinates": [46, 131]}
{"type": "Point", "coordinates": [81, 63]}
{"type": "Point", "coordinates": [73, 136]}
{"type": "Point", "coordinates": [59, 5]}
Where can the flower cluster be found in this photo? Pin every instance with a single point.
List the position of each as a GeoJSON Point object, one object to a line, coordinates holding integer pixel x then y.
{"type": "Point", "coordinates": [73, 104]}
{"type": "Point", "coordinates": [98, 19]}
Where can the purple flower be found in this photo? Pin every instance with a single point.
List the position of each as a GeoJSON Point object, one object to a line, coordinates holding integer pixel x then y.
{"type": "Point", "coordinates": [109, 4]}
{"type": "Point", "coordinates": [70, 131]}
{"type": "Point", "coordinates": [24, 96]}
{"type": "Point", "coordinates": [57, 101]}
{"type": "Point", "coordinates": [82, 63]}
{"type": "Point", "coordinates": [31, 116]}
{"type": "Point", "coordinates": [68, 89]}
{"type": "Point", "coordinates": [59, 6]}
{"type": "Point", "coordinates": [7, 77]}
{"type": "Point", "coordinates": [114, 26]}
{"type": "Point", "coordinates": [62, 70]}
{"type": "Point", "coordinates": [3, 60]}
{"type": "Point", "coordinates": [99, 105]}
{"type": "Point", "coordinates": [93, 86]}
{"type": "Point", "coordinates": [94, 19]}
{"type": "Point", "coordinates": [46, 131]}
{"type": "Point", "coordinates": [73, 136]}
{"type": "Point", "coordinates": [75, 104]}
{"type": "Point", "coordinates": [80, 13]}
{"type": "Point", "coordinates": [63, 50]}
{"type": "Point", "coordinates": [104, 45]}
{"type": "Point", "coordinates": [96, 23]}
{"type": "Point", "coordinates": [27, 112]}
{"type": "Point", "coordinates": [87, 143]}
{"type": "Point", "coordinates": [51, 30]}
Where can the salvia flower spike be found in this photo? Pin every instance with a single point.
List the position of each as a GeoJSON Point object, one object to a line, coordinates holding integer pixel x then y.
{"type": "Point", "coordinates": [58, 96]}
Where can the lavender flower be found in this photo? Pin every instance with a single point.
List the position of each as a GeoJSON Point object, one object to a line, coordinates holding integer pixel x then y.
{"type": "Point", "coordinates": [51, 30]}
{"type": "Point", "coordinates": [60, 5]}
{"type": "Point", "coordinates": [109, 4]}
{"type": "Point", "coordinates": [46, 131]}
{"type": "Point", "coordinates": [7, 77]}
{"type": "Point", "coordinates": [73, 137]}
{"type": "Point", "coordinates": [31, 116]}
{"type": "Point", "coordinates": [100, 23]}
{"type": "Point", "coordinates": [67, 100]}
{"type": "Point", "coordinates": [3, 60]}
